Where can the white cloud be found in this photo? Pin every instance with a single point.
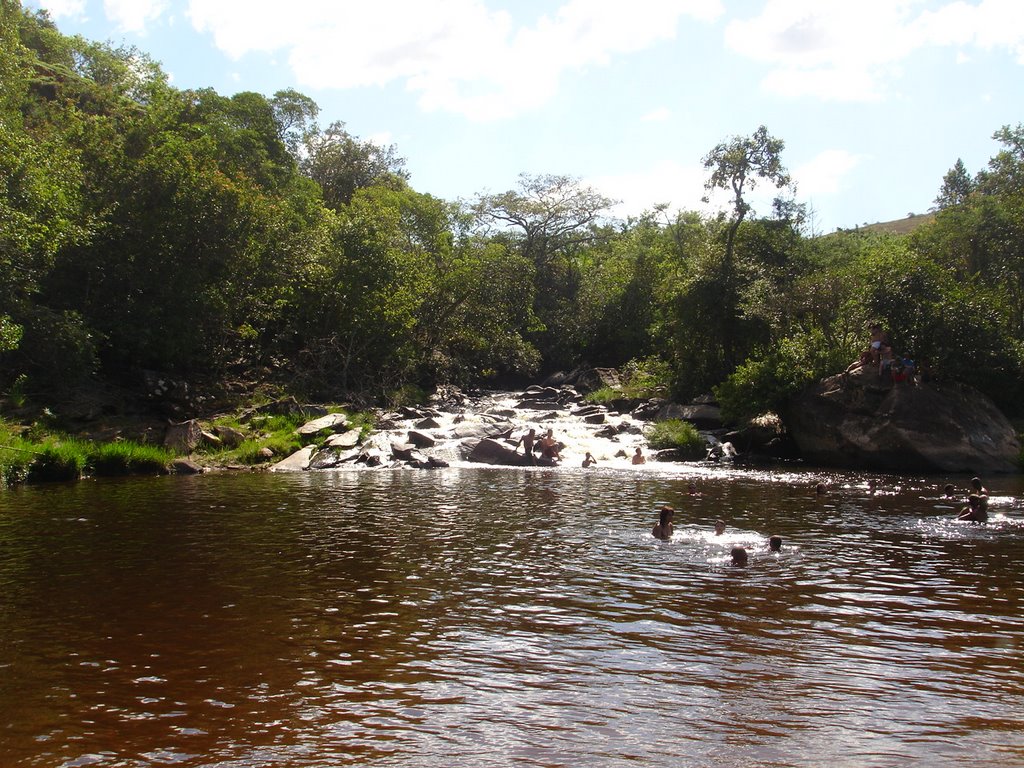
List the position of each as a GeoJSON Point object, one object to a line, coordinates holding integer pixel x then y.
{"type": "Point", "coordinates": [824, 173]}
{"type": "Point", "coordinates": [62, 9]}
{"type": "Point", "coordinates": [458, 55]}
{"type": "Point", "coordinates": [836, 50]}
{"type": "Point", "coordinates": [659, 115]}
{"type": "Point", "coordinates": [679, 186]}
{"type": "Point", "coordinates": [133, 15]}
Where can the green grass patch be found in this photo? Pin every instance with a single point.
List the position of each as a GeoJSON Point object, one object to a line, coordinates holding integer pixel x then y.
{"type": "Point", "coordinates": [128, 458]}
{"type": "Point", "coordinates": [16, 455]}
{"type": "Point", "coordinates": [677, 434]}
{"type": "Point", "coordinates": [59, 459]}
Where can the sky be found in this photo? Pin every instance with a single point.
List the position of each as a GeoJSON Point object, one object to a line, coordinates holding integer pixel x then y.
{"type": "Point", "coordinates": [874, 99]}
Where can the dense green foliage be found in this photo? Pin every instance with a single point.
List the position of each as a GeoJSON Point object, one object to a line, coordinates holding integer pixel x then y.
{"type": "Point", "coordinates": [677, 434]}
{"type": "Point", "coordinates": [201, 236]}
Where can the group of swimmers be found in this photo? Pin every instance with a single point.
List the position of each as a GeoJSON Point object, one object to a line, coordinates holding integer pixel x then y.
{"type": "Point", "coordinates": [665, 528]}
{"type": "Point", "coordinates": [976, 510]}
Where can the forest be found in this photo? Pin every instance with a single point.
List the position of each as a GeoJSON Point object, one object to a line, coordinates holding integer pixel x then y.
{"type": "Point", "coordinates": [213, 238]}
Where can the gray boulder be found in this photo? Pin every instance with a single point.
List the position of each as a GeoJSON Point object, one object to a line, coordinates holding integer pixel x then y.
{"type": "Point", "coordinates": [857, 421]}
{"type": "Point", "coordinates": [489, 451]}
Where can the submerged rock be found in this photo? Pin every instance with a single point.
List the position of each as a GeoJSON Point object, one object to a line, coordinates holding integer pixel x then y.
{"type": "Point", "coordinates": [855, 420]}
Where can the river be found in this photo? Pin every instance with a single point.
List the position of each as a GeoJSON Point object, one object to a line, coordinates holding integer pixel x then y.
{"type": "Point", "coordinates": [506, 616]}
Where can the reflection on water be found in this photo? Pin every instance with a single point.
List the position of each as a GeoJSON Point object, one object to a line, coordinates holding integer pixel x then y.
{"type": "Point", "coordinates": [489, 617]}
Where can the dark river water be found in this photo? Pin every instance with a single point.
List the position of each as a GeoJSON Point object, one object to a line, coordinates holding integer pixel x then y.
{"type": "Point", "coordinates": [494, 617]}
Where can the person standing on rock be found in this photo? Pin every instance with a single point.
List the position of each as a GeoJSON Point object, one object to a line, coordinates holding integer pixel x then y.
{"type": "Point", "coordinates": [527, 442]}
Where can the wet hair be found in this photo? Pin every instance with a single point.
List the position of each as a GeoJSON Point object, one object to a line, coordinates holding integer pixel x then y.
{"type": "Point", "coordinates": [665, 516]}
{"type": "Point", "coordinates": [819, 488]}
{"type": "Point", "coordinates": [948, 489]}
{"type": "Point", "coordinates": [739, 556]}
{"type": "Point", "coordinates": [974, 500]}
{"type": "Point", "coordinates": [775, 543]}
{"type": "Point", "coordinates": [976, 483]}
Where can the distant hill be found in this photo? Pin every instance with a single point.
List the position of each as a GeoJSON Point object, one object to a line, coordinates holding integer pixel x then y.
{"type": "Point", "coordinates": [898, 226]}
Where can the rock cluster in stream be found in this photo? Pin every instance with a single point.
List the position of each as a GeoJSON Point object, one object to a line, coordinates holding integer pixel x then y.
{"type": "Point", "coordinates": [484, 428]}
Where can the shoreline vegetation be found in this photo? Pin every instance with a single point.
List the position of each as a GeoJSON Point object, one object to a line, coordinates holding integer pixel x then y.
{"type": "Point", "coordinates": [164, 244]}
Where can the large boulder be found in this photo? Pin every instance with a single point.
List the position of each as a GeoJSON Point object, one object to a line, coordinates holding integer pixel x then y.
{"type": "Point", "coordinates": [856, 420]}
{"type": "Point", "coordinates": [489, 451]}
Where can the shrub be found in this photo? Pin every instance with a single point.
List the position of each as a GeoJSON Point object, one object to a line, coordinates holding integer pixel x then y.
{"type": "Point", "coordinates": [677, 434]}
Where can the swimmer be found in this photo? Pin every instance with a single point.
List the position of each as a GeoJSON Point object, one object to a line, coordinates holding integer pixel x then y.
{"type": "Point", "coordinates": [975, 511]}
{"type": "Point", "coordinates": [981, 492]}
{"type": "Point", "coordinates": [775, 544]}
{"type": "Point", "coordinates": [589, 461]}
{"type": "Point", "coordinates": [638, 457]}
{"type": "Point", "coordinates": [691, 488]}
{"type": "Point", "coordinates": [719, 527]}
{"type": "Point", "coordinates": [872, 486]}
{"type": "Point", "coordinates": [664, 528]}
{"type": "Point", "coordinates": [819, 489]}
{"type": "Point", "coordinates": [739, 556]}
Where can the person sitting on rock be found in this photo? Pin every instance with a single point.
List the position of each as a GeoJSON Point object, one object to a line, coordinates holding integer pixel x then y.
{"type": "Point", "coordinates": [885, 358]}
{"type": "Point", "coordinates": [638, 457]}
{"type": "Point", "coordinates": [549, 447]}
{"type": "Point", "coordinates": [664, 528]}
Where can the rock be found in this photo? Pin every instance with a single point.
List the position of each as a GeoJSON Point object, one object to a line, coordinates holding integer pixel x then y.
{"type": "Point", "coordinates": [539, 405]}
{"type": "Point", "coordinates": [594, 418]}
{"type": "Point", "coordinates": [183, 437]}
{"type": "Point", "coordinates": [403, 451]}
{"type": "Point", "coordinates": [211, 439]}
{"type": "Point", "coordinates": [265, 453]}
{"type": "Point", "coordinates": [335, 422]}
{"type": "Point", "coordinates": [185, 467]}
{"type": "Point", "coordinates": [347, 439]}
{"type": "Point", "coordinates": [597, 378]}
{"type": "Point", "coordinates": [648, 411]}
{"type": "Point", "coordinates": [703, 416]}
{"type": "Point", "coordinates": [489, 451]}
{"type": "Point", "coordinates": [856, 421]}
{"type": "Point", "coordinates": [428, 423]}
{"type": "Point", "coordinates": [326, 458]}
{"type": "Point", "coordinates": [470, 429]}
{"type": "Point", "coordinates": [297, 462]}
{"type": "Point", "coordinates": [229, 436]}
{"type": "Point", "coordinates": [421, 439]}
{"type": "Point", "coordinates": [680, 454]}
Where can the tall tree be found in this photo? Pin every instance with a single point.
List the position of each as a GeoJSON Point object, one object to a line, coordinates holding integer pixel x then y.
{"type": "Point", "coordinates": [738, 165]}
{"type": "Point", "coordinates": [957, 185]}
{"type": "Point", "coordinates": [342, 164]}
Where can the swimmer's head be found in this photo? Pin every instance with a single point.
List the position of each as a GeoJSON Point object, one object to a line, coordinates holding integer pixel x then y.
{"type": "Point", "coordinates": [775, 543]}
{"type": "Point", "coordinates": [719, 527]}
{"type": "Point", "coordinates": [976, 483]}
{"type": "Point", "coordinates": [739, 556]}
{"type": "Point", "coordinates": [666, 514]}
